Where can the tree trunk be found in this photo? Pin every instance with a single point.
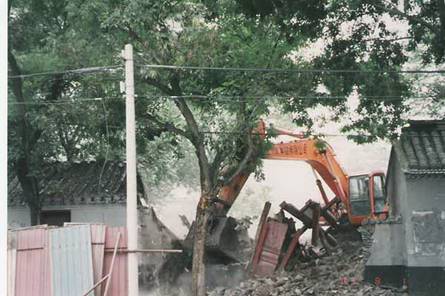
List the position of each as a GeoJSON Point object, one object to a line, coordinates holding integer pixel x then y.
{"type": "Point", "coordinates": [198, 269]}
{"type": "Point", "coordinates": [30, 189]}
{"type": "Point", "coordinates": [35, 214]}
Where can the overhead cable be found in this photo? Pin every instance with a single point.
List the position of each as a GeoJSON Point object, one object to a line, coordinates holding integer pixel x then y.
{"type": "Point", "coordinates": [237, 99]}
{"type": "Point", "coordinates": [291, 70]}
{"type": "Point", "coordinates": [81, 71]}
{"type": "Point", "coordinates": [227, 99]}
{"type": "Point", "coordinates": [58, 102]}
{"type": "Point", "coordinates": [90, 70]}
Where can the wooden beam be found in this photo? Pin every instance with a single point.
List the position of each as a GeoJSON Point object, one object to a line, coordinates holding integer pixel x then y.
{"type": "Point", "coordinates": [315, 223]}
{"type": "Point", "coordinates": [292, 246]}
{"type": "Point", "coordinates": [145, 251]}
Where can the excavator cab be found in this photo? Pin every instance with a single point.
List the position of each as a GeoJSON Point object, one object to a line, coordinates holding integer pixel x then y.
{"type": "Point", "coordinates": [367, 195]}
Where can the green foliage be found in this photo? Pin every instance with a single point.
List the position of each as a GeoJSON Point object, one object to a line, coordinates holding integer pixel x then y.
{"type": "Point", "coordinates": [190, 33]}
{"type": "Point", "coordinates": [358, 36]}
{"type": "Point", "coordinates": [47, 36]}
{"type": "Point", "coordinates": [321, 145]}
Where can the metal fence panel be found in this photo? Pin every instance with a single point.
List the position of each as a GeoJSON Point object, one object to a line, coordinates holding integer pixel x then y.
{"type": "Point", "coordinates": [118, 281]}
{"type": "Point", "coordinates": [12, 254]}
{"type": "Point", "coordinates": [32, 262]}
{"type": "Point", "coordinates": [98, 242]}
{"type": "Point", "coordinates": [98, 249]}
{"type": "Point", "coordinates": [71, 260]}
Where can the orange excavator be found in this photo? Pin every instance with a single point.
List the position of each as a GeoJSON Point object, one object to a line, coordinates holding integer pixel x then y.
{"type": "Point", "coordinates": [361, 197]}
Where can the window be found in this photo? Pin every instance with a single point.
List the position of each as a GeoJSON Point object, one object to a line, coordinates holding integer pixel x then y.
{"type": "Point", "coordinates": [56, 218]}
{"type": "Point", "coordinates": [359, 187]}
{"type": "Point", "coordinates": [379, 194]}
{"type": "Point", "coordinates": [359, 195]}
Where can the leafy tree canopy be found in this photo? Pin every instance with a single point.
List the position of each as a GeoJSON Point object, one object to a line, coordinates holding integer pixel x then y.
{"type": "Point", "coordinates": [368, 36]}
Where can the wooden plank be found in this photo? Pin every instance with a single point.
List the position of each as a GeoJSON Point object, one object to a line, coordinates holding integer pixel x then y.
{"type": "Point", "coordinates": [145, 251]}
{"type": "Point", "coordinates": [291, 209]}
{"type": "Point", "coordinates": [96, 285]}
{"type": "Point", "coordinates": [258, 247]}
{"type": "Point", "coordinates": [269, 250]}
{"type": "Point", "coordinates": [261, 223]}
{"type": "Point", "coordinates": [322, 192]}
{"type": "Point", "coordinates": [293, 244]}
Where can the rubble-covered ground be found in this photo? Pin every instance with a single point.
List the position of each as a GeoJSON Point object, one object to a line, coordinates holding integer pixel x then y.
{"type": "Point", "coordinates": [340, 273]}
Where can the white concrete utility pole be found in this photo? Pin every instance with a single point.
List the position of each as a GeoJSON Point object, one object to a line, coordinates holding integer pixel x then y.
{"type": "Point", "coordinates": [132, 215]}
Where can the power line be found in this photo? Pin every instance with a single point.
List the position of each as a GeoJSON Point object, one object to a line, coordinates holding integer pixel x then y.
{"type": "Point", "coordinates": [228, 99]}
{"type": "Point", "coordinates": [238, 99]}
{"type": "Point", "coordinates": [89, 70]}
{"type": "Point", "coordinates": [309, 136]}
{"type": "Point", "coordinates": [295, 70]}
{"type": "Point", "coordinates": [70, 79]}
{"type": "Point", "coordinates": [59, 102]}
{"type": "Point", "coordinates": [218, 132]}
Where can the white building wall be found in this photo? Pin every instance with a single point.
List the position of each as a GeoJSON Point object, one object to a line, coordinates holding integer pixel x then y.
{"type": "Point", "coordinates": [112, 215]}
{"type": "Point", "coordinates": [18, 217]}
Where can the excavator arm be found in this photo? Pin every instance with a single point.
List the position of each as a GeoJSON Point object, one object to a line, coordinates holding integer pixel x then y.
{"type": "Point", "coordinates": [318, 154]}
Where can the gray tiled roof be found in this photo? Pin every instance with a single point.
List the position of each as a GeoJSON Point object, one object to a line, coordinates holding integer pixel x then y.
{"type": "Point", "coordinates": [422, 147]}
{"type": "Point", "coordinates": [77, 183]}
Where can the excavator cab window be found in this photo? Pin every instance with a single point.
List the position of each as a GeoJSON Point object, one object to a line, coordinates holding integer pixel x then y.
{"type": "Point", "coordinates": [379, 194]}
{"type": "Point", "coordinates": [359, 195]}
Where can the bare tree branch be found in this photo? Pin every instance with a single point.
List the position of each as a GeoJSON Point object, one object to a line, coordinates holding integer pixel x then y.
{"type": "Point", "coordinates": [248, 157]}
{"type": "Point", "coordinates": [197, 137]}
{"type": "Point", "coordinates": [245, 161]}
{"type": "Point", "coordinates": [167, 126]}
{"type": "Point", "coordinates": [216, 163]}
{"type": "Point", "coordinates": [156, 83]}
{"type": "Point", "coordinates": [389, 40]}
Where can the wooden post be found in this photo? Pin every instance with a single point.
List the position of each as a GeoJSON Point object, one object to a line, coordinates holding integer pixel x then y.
{"type": "Point", "coordinates": [110, 272]}
{"type": "Point", "coordinates": [96, 284]}
{"type": "Point", "coordinates": [293, 244]}
{"type": "Point", "coordinates": [320, 187]}
{"type": "Point", "coordinates": [315, 223]}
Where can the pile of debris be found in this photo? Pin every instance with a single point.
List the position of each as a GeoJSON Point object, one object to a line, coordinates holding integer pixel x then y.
{"type": "Point", "coordinates": [340, 273]}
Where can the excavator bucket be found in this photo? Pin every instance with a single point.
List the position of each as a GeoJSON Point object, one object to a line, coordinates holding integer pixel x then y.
{"type": "Point", "coordinates": [225, 242]}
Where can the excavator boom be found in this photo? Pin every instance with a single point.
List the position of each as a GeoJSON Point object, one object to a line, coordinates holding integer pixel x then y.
{"type": "Point", "coordinates": [365, 198]}
{"type": "Point", "coordinates": [320, 156]}
{"type": "Point", "coordinates": [317, 153]}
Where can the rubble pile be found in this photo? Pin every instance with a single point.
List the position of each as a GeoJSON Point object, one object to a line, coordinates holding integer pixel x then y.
{"type": "Point", "coordinates": [340, 273]}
